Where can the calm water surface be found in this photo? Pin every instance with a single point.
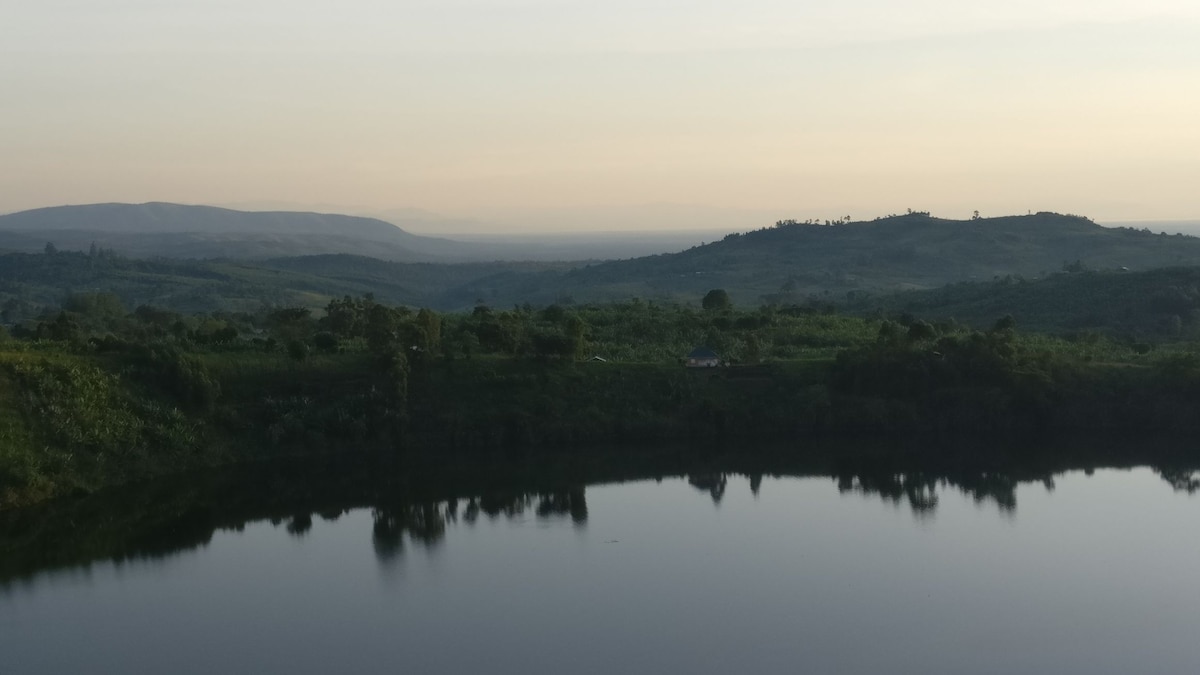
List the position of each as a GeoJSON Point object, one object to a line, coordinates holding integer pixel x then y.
{"type": "Point", "coordinates": [717, 573]}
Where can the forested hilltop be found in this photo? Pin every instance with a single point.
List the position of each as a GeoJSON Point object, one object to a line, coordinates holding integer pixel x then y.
{"type": "Point", "coordinates": [849, 260]}
{"type": "Point", "coordinates": [96, 394]}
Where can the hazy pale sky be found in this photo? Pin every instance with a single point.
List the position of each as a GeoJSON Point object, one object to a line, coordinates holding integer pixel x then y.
{"type": "Point", "coordinates": [506, 109]}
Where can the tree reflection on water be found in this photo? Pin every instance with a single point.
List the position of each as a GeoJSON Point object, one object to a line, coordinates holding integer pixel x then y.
{"type": "Point", "coordinates": [414, 508]}
{"type": "Point", "coordinates": [920, 489]}
{"type": "Point", "coordinates": [424, 524]}
{"type": "Point", "coordinates": [1183, 480]}
{"type": "Point", "coordinates": [712, 483]}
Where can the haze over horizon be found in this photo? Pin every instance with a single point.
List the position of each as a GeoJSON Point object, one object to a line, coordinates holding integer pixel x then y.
{"type": "Point", "coordinates": [558, 114]}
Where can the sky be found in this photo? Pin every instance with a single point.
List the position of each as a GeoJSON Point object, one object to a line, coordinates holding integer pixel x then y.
{"type": "Point", "coordinates": [563, 114]}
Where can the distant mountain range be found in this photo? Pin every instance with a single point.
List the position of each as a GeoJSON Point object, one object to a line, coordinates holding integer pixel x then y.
{"type": "Point", "coordinates": [181, 231]}
{"type": "Point", "coordinates": [205, 232]}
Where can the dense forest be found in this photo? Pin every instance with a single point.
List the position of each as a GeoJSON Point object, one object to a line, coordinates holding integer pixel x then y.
{"type": "Point", "coordinates": [95, 394]}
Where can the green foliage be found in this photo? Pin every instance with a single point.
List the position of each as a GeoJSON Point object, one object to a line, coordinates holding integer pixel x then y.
{"type": "Point", "coordinates": [297, 350]}
{"type": "Point", "coordinates": [382, 329]}
{"type": "Point", "coordinates": [72, 425]}
{"type": "Point", "coordinates": [1005, 324]}
{"type": "Point", "coordinates": [166, 391]}
{"type": "Point", "coordinates": [326, 342]}
{"type": "Point", "coordinates": [62, 329]}
{"type": "Point", "coordinates": [553, 344]}
{"type": "Point", "coordinates": [95, 305]}
{"type": "Point", "coordinates": [345, 318]}
{"type": "Point", "coordinates": [920, 330]}
{"type": "Point", "coordinates": [291, 323]}
{"type": "Point", "coordinates": [716, 300]}
{"type": "Point", "coordinates": [429, 330]}
{"type": "Point", "coordinates": [169, 371]}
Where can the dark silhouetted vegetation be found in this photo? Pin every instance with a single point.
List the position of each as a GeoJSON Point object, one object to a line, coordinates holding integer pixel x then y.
{"type": "Point", "coordinates": [95, 394]}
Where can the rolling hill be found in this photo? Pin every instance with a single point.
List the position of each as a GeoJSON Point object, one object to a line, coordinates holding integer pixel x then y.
{"type": "Point", "coordinates": [868, 266]}
{"type": "Point", "coordinates": [794, 261]}
{"type": "Point", "coordinates": [31, 283]}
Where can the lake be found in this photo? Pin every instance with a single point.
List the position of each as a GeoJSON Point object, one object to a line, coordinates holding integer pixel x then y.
{"type": "Point", "coordinates": [703, 571]}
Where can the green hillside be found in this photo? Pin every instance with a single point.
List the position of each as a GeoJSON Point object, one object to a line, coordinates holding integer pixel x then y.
{"type": "Point", "coordinates": [1153, 305]}
{"type": "Point", "coordinates": [31, 283]}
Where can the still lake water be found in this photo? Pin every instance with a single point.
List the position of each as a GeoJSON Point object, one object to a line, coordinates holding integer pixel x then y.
{"type": "Point", "coordinates": [712, 573]}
